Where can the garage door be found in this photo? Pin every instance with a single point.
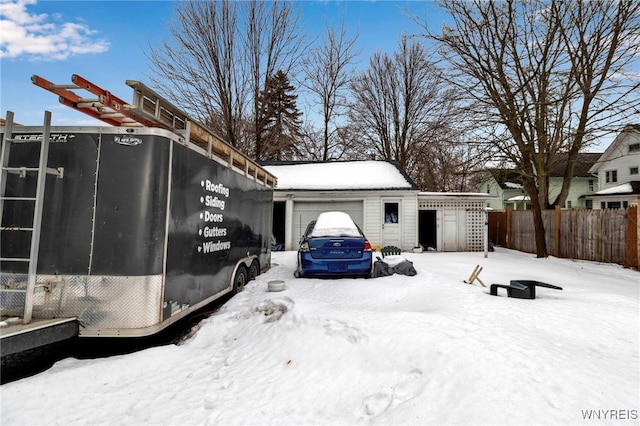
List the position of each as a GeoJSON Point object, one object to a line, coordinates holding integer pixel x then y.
{"type": "Point", "coordinates": [305, 212]}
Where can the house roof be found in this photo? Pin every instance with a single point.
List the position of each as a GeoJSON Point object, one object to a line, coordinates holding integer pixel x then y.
{"type": "Point", "coordinates": [584, 162]}
{"type": "Point", "coordinates": [339, 175]}
{"type": "Point", "coordinates": [511, 179]}
{"type": "Point", "coordinates": [616, 148]}
{"type": "Point", "coordinates": [507, 178]}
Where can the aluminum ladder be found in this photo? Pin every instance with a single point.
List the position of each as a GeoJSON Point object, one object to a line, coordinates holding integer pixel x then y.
{"type": "Point", "coordinates": [148, 109]}
{"type": "Point", "coordinates": [38, 200]}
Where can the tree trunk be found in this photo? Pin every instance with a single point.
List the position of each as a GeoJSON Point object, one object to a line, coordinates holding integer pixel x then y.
{"type": "Point", "coordinates": [538, 224]}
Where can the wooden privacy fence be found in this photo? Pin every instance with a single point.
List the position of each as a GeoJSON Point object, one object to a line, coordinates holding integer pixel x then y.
{"type": "Point", "coordinates": [600, 235]}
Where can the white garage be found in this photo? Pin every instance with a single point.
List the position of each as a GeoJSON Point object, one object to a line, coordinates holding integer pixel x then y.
{"type": "Point", "coordinates": [378, 196]}
{"type": "Point", "coordinates": [382, 200]}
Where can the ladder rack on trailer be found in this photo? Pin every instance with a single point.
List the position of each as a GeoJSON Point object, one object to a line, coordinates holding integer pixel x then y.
{"type": "Point", "coordinates": [149, 109]}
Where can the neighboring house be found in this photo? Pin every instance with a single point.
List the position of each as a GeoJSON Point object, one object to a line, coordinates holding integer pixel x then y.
{"type": "Point", "coordinates": [618, 172]}
{"type": "Point", "coordinates": [381, 198]}
{"type": "Point", "coordinates": [583, 182]}
{"type": "Point", "coordinates": [506, 187]}
{"type": "Point", "coordinates": [506, 184]}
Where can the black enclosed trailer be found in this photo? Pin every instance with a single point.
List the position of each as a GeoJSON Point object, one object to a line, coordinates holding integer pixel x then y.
{"type": "Point", "coordinates": [139, 226]}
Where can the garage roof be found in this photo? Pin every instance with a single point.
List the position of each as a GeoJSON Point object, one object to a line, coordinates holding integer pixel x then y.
{"type": "Point", "coordinates": [340, 175]}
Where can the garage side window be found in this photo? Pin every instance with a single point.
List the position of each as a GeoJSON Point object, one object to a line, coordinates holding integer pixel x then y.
{"type": "Point", "coordinates": [391, 213]}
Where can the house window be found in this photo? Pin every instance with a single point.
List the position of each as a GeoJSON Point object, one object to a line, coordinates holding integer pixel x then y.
{"type": "Point", "coordinates": [625, 204]}
{"type": "Point", "coordinates": [633, 147]}
{"type": "Point", "coordinates": [568, 204]}
{"type": "Point", "coordinates": [391, 211]}
{"type": "Point", "coordinates": [633, 170]}
{"type": "Point", "coordinates": [611, 176]}
{"type": "Point", "coordinates": [588, 204]}
{"type": "Point", "coordinates": [603, 205]}
{"type": "Point", "coordinates": [591, 185]}
{"type": "Point", "coordinates": [614, 204]}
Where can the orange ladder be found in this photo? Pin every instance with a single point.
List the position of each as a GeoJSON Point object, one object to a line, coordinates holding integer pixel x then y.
{"type": "Point", "coordinates": [149, 109]}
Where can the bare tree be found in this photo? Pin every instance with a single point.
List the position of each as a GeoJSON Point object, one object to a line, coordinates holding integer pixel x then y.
{"type": "Point", "coordinates": [218, 59]}
{"type": "Point", "coordinates": [348, 144]}
{"type": "Point", "coordinates": [327, 72]}
{"type": "Point", "coordinates": [401, 104]}
{"type": "Point", "coordinates": [198, 68]}
{"type": "Point", "coordinates": [449, 162]}
{"type": "Point", "coordinates": [545, 75]}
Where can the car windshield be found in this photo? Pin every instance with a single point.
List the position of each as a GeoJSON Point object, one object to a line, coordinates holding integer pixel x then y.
{"type": "Point", "coordinates": [335, 224]}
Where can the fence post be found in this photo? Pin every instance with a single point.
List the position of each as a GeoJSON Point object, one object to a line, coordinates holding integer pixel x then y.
{"type": "Point", "coordinates": [508, 236]}
{"type": "Point", "coordinates": [632, 252]}
{"type": "Point", "coordinates": [556, 237]}
{"type": "Point", "coordinates": [637, 233]}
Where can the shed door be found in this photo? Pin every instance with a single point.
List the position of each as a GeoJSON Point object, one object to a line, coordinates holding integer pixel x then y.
{"type": "Point", "coordinates": [454, 230]}
{"type": "Point", "coordinates": [392, 222]}
{"type": "Point", "coordinates": [306, 211]}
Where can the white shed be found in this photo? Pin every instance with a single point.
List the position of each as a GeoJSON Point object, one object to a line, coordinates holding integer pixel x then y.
{"type": "Point", "coordinates": [453, 221]}
{"type": "Point", "coordinates": [378, 195]}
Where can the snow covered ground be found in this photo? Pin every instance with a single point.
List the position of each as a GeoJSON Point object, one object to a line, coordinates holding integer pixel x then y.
{"type": "Point", "coordinates": [396, 350]}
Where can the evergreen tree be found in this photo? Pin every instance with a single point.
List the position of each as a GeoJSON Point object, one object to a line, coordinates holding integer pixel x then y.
{"type": "Point", "coordinates": [279, 120]}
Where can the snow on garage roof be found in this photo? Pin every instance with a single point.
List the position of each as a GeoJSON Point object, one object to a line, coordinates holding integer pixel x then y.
{"type": "Point", "coordinates": [339, 175]}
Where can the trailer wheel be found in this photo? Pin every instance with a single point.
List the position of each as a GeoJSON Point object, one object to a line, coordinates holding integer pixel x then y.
{"type": "Point", "coordinates": [239, 280]}
{"type": "Point", "coordinates": [254, 270]}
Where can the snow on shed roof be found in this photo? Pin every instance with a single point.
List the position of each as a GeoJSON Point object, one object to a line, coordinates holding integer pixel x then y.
{"type": "Point", "coordinates": [340, 175]}
{"type": "Point", "coordinates": [468, 195]}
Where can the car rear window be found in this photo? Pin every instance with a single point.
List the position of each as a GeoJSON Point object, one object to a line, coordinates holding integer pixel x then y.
{"type": "Point", "coordinates": [335, 224]}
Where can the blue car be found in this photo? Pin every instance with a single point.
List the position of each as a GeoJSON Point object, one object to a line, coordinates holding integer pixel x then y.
{"type": "Point", "coordinates": [334, 246]}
